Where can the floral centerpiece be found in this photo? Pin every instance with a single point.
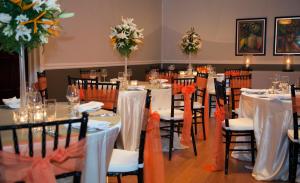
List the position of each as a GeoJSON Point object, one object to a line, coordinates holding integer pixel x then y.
{"type": "Point", "coordinates": [28, 24]}
{"type": "Point", "coordinates": [125, 38]}
{"type": "Point", "coordinates": [191, 43]}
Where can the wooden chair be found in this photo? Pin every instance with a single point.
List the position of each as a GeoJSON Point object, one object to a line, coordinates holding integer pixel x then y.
{"type": "Point", "coordinates": [30, 127]}
{"type": "Point", "coordinates": [41, 85]}
{"type": "Point", "coordinates": [173, 117]}
{"type": "Point", "coordinates": [293, 134]}
{"type": "Point", "coordinates": [104, 92]}
{"type": "Point", "coordinates": [199, 104]}
{"type": "Point", "coordinates": [125, 162]}
{"type": "Point", "coordinates": [235, 84]}
{"type": "Point", "coordinates": [234, 127]}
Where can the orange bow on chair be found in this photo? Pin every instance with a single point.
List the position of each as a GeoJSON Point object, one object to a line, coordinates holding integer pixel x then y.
{"type": "Point", "coordinates": [15, 167]}
{"type": "Point", "coordinates": [187, 123]}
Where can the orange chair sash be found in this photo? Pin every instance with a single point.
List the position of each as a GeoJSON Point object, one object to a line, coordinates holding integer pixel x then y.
{"type": "Point", "coordinates": [15, 167]}
{"type": "Point", "coordinates": [153, 156]}
{"type": "Point", "coordinates": [187, 123]}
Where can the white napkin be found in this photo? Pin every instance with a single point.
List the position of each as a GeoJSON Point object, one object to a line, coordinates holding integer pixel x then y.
{"type": "Point", "coordinates": [13, 103]}
{"type": "Point", "coordinates": [90, 106]}
{"type": "Point", "coordinates": [254, 91]}
{"type": "Point", "coordinates": [162, 80]}
{"type": "Point", "coordinates": [139, 87]}
{"type": "Point", "coordinates": [93, 125]}
{"type": "Point", "coordinates": [166, 85]}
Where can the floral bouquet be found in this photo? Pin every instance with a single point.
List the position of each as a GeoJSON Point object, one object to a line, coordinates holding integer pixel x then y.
{"type": "Point", "coordinates": [191, 42]}
{"type": "Point", "coordinates": [126, 37]}
{"type": "Point", "coordinates": [28, 23]}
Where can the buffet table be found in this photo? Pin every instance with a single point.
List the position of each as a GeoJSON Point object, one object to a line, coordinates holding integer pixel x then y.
{"type": "Point", "coordinates": [272, 118]}
{"type": "Point", "coordinates": [99, 143]}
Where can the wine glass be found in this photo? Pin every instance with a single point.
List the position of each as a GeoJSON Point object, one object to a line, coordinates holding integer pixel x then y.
{"type": "Point", "coordinates": [129, 74]}
{"type": "Point", "coordinates": [93, 74]}
{"type": "Point", "coordinates": [103, 74]}
{"type": "Point", "coordinates": [72, 94]}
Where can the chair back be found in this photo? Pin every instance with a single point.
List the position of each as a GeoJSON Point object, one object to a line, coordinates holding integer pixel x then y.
{"type": "Point", "coordinates": [103, 92]}
{"type": "Point", "coordinates": [241, 81]}
{"type": "Point", "coordinates": [42, 84]}
{"type": "Point", "coordinates": [177, 100]}
{"type": "Point", "coordinates": [201, 84]}
{"type": "Point", "coordinates": [30, 127]}
{"type": "Point", "coordinates": [81, 83]}
{"type": "Point", "coordinates": [144, 128]}
{"type": "Point", "coordinates": [222, 100]}
{"type": "Point", "coordinates": [85, 73]}
{"type": "Point", "coordinates": [295, 94]}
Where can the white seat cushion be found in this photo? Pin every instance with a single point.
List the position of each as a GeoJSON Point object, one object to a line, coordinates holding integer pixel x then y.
{"type": "Point", "coordinates": [291, 135]}
{"type": "Point", "coordinates": [239, 124]}
{"type": "Point", "coordinates": [165, 114]}
{"type": "Point", "coordinates": [197, 105]}
{"type": "Point", "coordinates": [123, 161]}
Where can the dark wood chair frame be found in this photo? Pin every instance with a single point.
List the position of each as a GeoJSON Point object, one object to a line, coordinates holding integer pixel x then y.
{"type": "Point", "coordinates": [140, 171]}
{"type": "Point", "coordinates": [43, 92]}
{"type": "Point", "coordinates": [178, 123]}
{"type": "Point", "coordinates": [294, 146]}
{"type": "Point", "coordinates": [43, 126]}
{"type": "Point", "coordinates": [227, 133]}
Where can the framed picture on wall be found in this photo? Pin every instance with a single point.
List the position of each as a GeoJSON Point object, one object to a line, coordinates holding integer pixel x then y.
{"type": "Point", "coordinates": [287, 36]}
{"type": "Point", "coordinates": [250, 36]}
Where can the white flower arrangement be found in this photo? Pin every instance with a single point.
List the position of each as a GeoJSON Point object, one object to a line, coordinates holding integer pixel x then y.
{"type": "Point", "coordinates": [191, 42]}
{"type": "Point", "coordinates": [126, 37]}
{"type": "Point", "coordinates": [28, 23]}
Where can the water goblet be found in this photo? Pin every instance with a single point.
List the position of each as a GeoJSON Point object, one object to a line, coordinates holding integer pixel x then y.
{"type": "Point", "coordinates": [103, 74]}
{"type": "Point", "coordinates": [93, 74]}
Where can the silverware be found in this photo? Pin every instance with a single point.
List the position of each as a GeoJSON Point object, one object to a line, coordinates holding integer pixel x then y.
{"type": "Point", "coordinates": [103, 115]}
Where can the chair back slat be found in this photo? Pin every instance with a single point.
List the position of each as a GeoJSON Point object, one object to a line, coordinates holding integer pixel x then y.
{"type": "Point", "coordinates": [295, 95]}
{"type": "Point", "coordinates": [43, 141]}
{"type": "Point", "coordinates": [201, 83]}
{"type": "Point", "coordinates": [81, 83]}
{"type": "Point", "coordinates": [56, 133]}
{"type": "Point", "coordinates": [144, 127]}
{"type": "Point", "coordinates": [16, 142]}
{"type": "Point", "coordinates": [30, 141]}
{"type": "Point", "coordinates": [68, 135]}
{"type": "Point", "coordinates": [222, 100]}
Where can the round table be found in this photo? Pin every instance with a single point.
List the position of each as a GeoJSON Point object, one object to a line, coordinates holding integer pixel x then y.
{"type": "Point", "coordinates": [272, 118]}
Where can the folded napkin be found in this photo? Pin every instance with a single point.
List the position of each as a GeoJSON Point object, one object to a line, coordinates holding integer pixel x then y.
{"type": "Point", "coordinates": [93, 125]}
{"type": "Point", "coordinates": [90, 106]}
{"type": "Point", "coordinates": [139, 87]}
{"type": "Point", "coordinates": [162, 80]}
{"type": "Point", "coordinates": [13, 103]}
{"type": "Point", "coordinates": [254, 91]}
{"type": "Point", "coordinates": [166, 85]}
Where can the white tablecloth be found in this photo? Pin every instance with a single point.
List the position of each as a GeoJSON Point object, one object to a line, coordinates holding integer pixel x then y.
{"type": "Point", "coordinates": [272, 119]}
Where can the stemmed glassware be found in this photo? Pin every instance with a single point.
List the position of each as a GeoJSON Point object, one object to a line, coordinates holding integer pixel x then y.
{"type": "Point", "coordinates": [73, 98]}
{"type": "Point", "coordinates": [103, 74]}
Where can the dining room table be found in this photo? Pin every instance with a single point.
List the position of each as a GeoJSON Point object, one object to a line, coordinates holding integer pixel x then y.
{"type": "Point", "coordinates": [100, 142]}
{"type": "Point", "coordinates": [272, 117]}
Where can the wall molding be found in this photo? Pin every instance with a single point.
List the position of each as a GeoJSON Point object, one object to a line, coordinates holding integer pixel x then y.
{"type": "Point", "coordinates": [209, 61]}
{"type": "Point", "coordinates": [83, 64]}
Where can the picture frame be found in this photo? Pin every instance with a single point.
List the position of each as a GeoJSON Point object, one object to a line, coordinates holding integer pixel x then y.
{"type": "Point", "coordinates": [286, 36]}
{"type": "Point", "coordinates": [251, 36]}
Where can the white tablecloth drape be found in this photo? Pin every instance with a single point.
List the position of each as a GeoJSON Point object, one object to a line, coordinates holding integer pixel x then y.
{"type": "Point", "coordinates": [131, 106]}
{"type": "Point", "coordinates": [99, 151]}
{"type": "Point", "coordinates": [272, 118]}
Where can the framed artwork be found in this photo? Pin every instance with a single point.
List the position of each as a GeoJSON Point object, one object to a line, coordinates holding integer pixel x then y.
{"type": "Point", "coordinates": [287, 36]}
{"type": "Point", "coordinates": [250, 37]}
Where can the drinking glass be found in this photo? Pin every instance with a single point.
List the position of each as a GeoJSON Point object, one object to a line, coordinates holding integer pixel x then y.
{"type": "Point", "coordinates": [50, 113]}
{"type": "Point", "coordinates": [129, 74]}
{"type": "Point", "coordinates": [73, 98]}
{"type": "Point", "coordinates": [103, 74]}
{"type": "Point", "coordinates": [93, 74]}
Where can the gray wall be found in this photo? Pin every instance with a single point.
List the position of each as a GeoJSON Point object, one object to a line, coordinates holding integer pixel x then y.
{"type": "Point", "coordinates": [215, 20]}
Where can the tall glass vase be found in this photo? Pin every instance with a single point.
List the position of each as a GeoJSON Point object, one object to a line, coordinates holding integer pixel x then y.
{"type": "Point", "coordinates": [22, 77]}
{"type": "Point", "coordinates": [190, 68]}
{"type": "Point", "coordinates": [125, 81]}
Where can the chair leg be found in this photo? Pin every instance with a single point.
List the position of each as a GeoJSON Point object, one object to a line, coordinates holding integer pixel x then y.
{"type": "Point", "coordinates": [171, 140]}
{"type": "Point", "coordinates": [77, 177]}
{"type": "Point", "coordinates": [209, 105]}
{"type": "Point", "coordinates": [252, 148]}
{"type": "Point", "coordinates": [119, 178]}
{"type": "Point", "coordinates": [140, 175]}
{"type": "Point", "coordinates": [193, 141]}
{"type": "Point", "coordinates": [195, 121]}
{"type": "Point", "coordinates": [227, 136]}
{"type": "Point", "coordinates": [293, 161]}
{"type": "Point", "coordinates": [290, 160]}
{"type": "Point", "coordinates": [203, 125]}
